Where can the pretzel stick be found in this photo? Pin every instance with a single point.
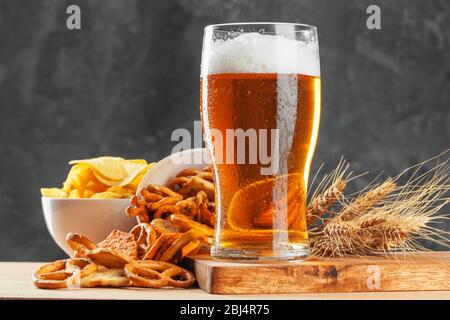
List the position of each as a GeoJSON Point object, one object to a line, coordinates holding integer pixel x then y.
{"type": "Point", "coordinates": [188, 224]}
{"type": "Point", "coordinates": [178, 245]}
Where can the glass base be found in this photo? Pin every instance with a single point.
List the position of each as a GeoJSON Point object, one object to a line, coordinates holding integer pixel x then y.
{"type": "Point", "coordinates": [262, 252]}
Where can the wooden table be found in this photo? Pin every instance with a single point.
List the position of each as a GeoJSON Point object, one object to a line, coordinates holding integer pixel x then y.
{"type": "Point", "coordinates": [15, 283]}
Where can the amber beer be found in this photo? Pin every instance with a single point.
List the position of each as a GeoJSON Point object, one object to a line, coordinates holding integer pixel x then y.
{"type": "Point", "coordinates": [260, 214]}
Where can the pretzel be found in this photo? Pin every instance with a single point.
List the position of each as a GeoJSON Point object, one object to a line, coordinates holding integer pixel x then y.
{"type": "Point", "coordinates": [80, 244]}
{"type": "Point", "coordinates": [178, 245]}
{"type": "Point", "coordinates": [108, 257]}
{"type": "Point", "coordinates": [163, 240]}
{"type": "Point", "coordinates": [188, 224]}
{"type": "Point", "coordinates": [169, 208]}
{"type": "Point", "coordinates": [204, 215]}
{"type": "Point", "coordinates": [188, 172]}
{"type": "Point", "coordinates": [187, 207]}
{"type": "Point", "coordinates": [164, 201]}
{"type": "Point", "coordinates": [164, 191]}
{"type": "Point", "coordinates": [206, 176]}
{"type": "Point", "coordinates": [177, 182]}
{"type": "Point", "coordinates": [191, 248]}
{"type": "Point", "coordinates": [84, 266]}
{"type": "Point", "coordinates": [62, 273]}
{"type": "Point", "coordinates": [157, 274]}
{"type": "Point", "coordinates": [145, 236]}
{"type": "Point", "coordinates": [106, 278]}
{"type": "Point", "coordinates": [150, 196]}
{"type": "Point", "coordinates": [162, 226]}
{"type": "Point", "coordinates": [179, 277]}
{"type": "Point", "coordinates": [196, 184]}
{"type": "Point", "coordinates": [139, 211]}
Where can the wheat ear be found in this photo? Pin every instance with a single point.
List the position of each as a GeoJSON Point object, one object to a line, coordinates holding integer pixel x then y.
{"type": "Point", "coordinates": [320, 204]}
{"type": "Point", "coordinates": [364, 202]}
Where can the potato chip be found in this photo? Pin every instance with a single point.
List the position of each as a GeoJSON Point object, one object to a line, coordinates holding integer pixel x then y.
{"type": "Point", "coordinates": [75, 194]}
{"type": "Point", "coordinates": [53, 193]}
{"type": "Point", "coordinates": [106, 195]}
{"type": "Point", "coordinates": [108, 167]}
{"type": "Point", "coordinates": [133, 184]}
{"type": "Point", "coordinates": [124, 192]}
{"type": "Point", "coordinates": [101, 178]}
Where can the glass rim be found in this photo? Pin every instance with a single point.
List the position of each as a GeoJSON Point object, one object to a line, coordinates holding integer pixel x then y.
{"type": "Point", "coordinates": [236, 24]}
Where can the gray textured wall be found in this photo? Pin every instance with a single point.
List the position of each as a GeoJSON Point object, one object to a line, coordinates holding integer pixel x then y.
{"type": "Point", "coordinates": [131, 75]}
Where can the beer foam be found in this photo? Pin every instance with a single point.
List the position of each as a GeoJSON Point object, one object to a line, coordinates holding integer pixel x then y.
{"type": "Point", "coordinates": [258, 53]}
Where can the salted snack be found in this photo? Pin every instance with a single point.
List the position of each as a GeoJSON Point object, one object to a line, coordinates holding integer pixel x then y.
{"type": "Point", "coordinates": [176, 221]}
{"type": "Point", "coordinates": [190, 193]}
{"type": "Point", "coordinates": [101, 178]}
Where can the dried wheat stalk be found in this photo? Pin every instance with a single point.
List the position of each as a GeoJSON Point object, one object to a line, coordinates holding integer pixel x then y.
{"type": "Point", "coordinates": [387, 218]}
{"type": "Point", "coordinates": [328, 192]}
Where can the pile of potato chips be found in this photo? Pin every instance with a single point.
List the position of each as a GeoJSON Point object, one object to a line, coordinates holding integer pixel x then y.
{"type": "Point", "coordinates": [101, 178]}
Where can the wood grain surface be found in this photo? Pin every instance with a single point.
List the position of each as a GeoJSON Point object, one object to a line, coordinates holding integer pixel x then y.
{"type": "Point", "coordinates": [412, 272]}
{"type": "Point", "coordinates": [15, 283]}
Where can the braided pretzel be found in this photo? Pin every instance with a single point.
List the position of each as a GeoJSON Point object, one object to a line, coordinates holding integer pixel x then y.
{"type": "Point", "coordinates": [157, 274]}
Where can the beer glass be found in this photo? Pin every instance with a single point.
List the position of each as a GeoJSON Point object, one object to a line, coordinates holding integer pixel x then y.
{"type": "Point", "coordinates": [260, 103]}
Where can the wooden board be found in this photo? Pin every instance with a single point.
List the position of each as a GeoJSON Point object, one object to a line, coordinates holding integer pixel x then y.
{"type": "Point", "coordinates": [15, 283]}
{"type": "Point", "coordinates": [419, 271]}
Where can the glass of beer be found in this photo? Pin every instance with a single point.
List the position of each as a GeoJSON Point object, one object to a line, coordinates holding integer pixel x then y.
{"type": "Point", "coordinates": [260, 103]}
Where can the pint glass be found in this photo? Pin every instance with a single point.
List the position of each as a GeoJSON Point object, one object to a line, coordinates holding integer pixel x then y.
{"type": "Point", "coordinates": [260, 103]}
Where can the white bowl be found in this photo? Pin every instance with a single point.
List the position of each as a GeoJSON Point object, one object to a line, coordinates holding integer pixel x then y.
{"type": "Point", "coordinates": [167, 168]}
{"type": "Point", "coordinates": [93, 218]}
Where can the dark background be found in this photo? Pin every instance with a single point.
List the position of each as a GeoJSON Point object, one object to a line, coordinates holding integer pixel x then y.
{"type": "Point", "coordinates": [124, 82]}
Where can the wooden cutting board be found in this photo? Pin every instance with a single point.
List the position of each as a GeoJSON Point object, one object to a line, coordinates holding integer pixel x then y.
{"type": "Point", "coordinates": [407, 272]}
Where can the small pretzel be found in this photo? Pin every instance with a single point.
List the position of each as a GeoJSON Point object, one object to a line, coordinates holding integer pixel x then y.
{"type": "Point", "coordinates": [204, 215]}
{"type": "Point", "coordinates": [106, 278]}
{"type": "Point", "coordinates": [163, 226]}
{"type": "Point", "coordinates": [177, 182]}
{"type": "Point", "coordinates": [80, 244]}
{"type": "Point", "coordinates": [206, 176]}
{"type": "Point", "coordinates": [164, 211]}
{"type": "Point", "coordinates": [179, 277]}
{"type": "Point", "coordinates": [145, 236]}
{"type": "Point", "coordinates": [150, 196]}
{"type": "Point", "coordinates": [196, 184]}
{"type": "Point", "coordinates": [62, 273]}
{"type": "Point", "coordinates": [139, 211]}
{"type": "Point", "coordinates": [188, 224]}
{"type": "Point", "coordinates": [108, 257]}
{"type": "Point", "coordinates": [52, 276]}
{"type": "Point", "coordinates": [164, 201]}
{"type": "Point", "coordinates": [164, 191]}
{"type": "Point", "coordinates": [188, 172]}
{"type": "Point", "coordinates": [135, 201]}
{"type": "Point", "coordinates": [84, 266]}
{"type": "Point", "coordinates": [157, 274]}
{"type": "Point", "coordinates": [187, 207]}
